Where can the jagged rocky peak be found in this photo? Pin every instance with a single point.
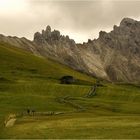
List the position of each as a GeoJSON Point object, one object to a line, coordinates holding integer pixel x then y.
{"type": "Point", "coordinates": [129, 29]}
{"type": "Point", "coordinates": [48, 29]}
{"type": "Point", "coordinates": [38, 38]}
{"type": "Point", "coordinates": [102, 34]}
{"type": "Point", "coordinates": [55, 35]}
{"type": "Point", "coordinates": [51, 37]}
{"type": "Point", "coordinates": [128, 22]}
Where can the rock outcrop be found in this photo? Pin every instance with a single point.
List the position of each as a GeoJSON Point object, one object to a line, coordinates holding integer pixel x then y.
{"type": "Point", "coordinates": [114, 56]}
{"type": "Point", "coordinates": [59, 47]}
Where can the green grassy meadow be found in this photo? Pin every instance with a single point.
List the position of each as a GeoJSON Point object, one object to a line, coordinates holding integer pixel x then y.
{"type": "Point", "coordinates": [28, 81]}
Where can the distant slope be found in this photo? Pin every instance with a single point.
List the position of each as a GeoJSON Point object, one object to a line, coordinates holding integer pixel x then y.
{"type": "Point", "coordinates": [19, 65]}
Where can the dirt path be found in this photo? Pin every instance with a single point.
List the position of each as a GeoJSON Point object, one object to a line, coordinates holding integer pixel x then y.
{"type": "Point", "coordinates": [66, 100]}
{"type": "Point", "coordinates": [92, 92]}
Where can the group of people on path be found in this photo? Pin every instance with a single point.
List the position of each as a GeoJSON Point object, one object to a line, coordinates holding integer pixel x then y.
{"type": "Point", "coordinates": [30, 112]}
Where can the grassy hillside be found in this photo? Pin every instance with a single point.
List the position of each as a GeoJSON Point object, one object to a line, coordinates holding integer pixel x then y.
{"type": "Point", "coordinates": [28, 81]}
{"type": "Point", "coordinates": [19, 66]}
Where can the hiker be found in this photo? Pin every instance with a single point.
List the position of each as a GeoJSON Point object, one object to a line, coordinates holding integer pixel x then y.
{"type": "Point", "coordinates": [28, 111]}
{"type": "Point", "coordinates": [33, 112]}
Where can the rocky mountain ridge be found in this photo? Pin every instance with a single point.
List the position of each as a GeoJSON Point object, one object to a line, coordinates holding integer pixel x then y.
{"type": "Point", "coordinates": [114, 56]}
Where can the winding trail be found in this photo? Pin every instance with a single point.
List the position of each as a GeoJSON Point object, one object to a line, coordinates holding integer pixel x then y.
{"type": "Point", "coordinates": [66, 100]}
{"type": "Point", "coordinates": [92, 92]}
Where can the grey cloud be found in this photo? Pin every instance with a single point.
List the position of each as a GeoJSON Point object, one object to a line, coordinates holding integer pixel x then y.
{"type": "Point", "coordinates": [80, 19]}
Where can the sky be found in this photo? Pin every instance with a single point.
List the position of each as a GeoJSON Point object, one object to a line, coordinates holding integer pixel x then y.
{"type": "Point", "coordinates": [80, 19]}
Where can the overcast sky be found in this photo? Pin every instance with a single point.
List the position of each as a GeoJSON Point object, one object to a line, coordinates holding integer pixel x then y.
{"type": "Point", "coordinates": [78, 19]}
